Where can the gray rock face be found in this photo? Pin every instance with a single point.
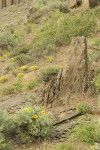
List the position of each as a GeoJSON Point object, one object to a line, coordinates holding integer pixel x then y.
{"type": "Point", "coordinates": [74, 79]}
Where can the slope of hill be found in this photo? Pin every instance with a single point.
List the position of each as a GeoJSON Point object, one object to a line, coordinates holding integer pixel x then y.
{"type": "Point", "coordinates": [39, 65]}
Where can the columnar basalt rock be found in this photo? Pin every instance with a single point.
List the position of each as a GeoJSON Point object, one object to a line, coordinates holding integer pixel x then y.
{"type": "Point", "coordinates": [72, 80]}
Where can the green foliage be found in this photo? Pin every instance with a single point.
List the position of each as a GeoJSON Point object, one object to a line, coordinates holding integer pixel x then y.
{"type": "Point", "coordinates": [82, 108]}
{"type": "Point", "coordinates": [31, 84]}
{"type": "Point", "coordinates": [64, 146]}
{"type": "Point", "coordinates": [24, 127]}
{"type": "Point", "coordinates": [48, 71]}
{"type": "Point", "coordinates": [22, 59]}
{"type": "Point", "coordinates": [15, 88]}
{"type": "Point", "coordinates": [59, 30]}
{"type": "Point", "coordinates": [7, 40]}
{"type": "Point", "coordinates": [88, 132]}
{"type": "Point", "coordinates": [6, 128]}
{"type": "Point", "coordinates": [21, 49]}
{"type": "Point", "coordinates": [97, 81]}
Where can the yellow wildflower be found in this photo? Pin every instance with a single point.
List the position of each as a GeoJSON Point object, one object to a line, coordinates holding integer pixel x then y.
{"type": "Point", "coordinates": [27, 108]}
{"type": "Point", "coordinates": [43, 112]}
{"type": "Point", "coordinates": [3, 79]}
{"type": "Point", "coordinates": [24, 68]}
{"type": "Point", "coordinates": [34, 117]}
{"type": "Point", "coordinates": [20, 75]}
{"type": "Point", "coordinates": [34, 68]}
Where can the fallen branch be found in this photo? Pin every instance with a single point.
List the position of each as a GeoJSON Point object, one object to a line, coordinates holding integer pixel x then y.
{"type": "Point", "coordinates": [67, 119]}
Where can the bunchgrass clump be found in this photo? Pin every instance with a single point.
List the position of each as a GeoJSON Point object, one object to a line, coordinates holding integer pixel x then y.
{"type": "Point", "coordinates": [31, 84]}
{"type": "Point", "coordinates": [82, 108]}
{"type": "Point", "coordinates": [48, 71]}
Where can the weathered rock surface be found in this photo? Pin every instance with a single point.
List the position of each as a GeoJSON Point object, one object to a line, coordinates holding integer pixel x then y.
{"type": "Point", "coordinates": [74, 79]}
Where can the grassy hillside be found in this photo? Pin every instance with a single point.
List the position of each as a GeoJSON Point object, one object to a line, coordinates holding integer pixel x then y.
{"type": "Point", "coordinates": [32, 47]}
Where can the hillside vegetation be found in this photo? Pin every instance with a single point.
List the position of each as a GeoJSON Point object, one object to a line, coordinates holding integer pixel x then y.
{"type": "Point", "coordinates": [32, 49]}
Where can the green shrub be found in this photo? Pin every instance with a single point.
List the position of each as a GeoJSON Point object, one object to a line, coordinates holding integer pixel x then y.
{"type": "Point", "coordinates": [22, 59]}
{"type": "Point", "coordinates": [60, 29]}
{"type": "Point", "coordinates": [88, 132]}
{"type": "Point", "coordinates": [64, 146]}
{"type": "Point", "coordinates": [24, 127]}
{"type": "Point", "coordinates": [33, 123]}
{"type": "Point", "coordinates": [82, 108]}
{"type": "Point", "coordinates": [7, 40]}
{"type": "Point", "coordinates": [48, 71]}
{"type": "Point", "coordinates": [20, 49]}
{"type": "Point", "coordinates": [31, 84]}
{"type": "Point", "coordinates": [6, 129]}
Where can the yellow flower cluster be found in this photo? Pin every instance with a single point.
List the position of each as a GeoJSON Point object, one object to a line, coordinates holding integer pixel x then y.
{"type": "Point", "coordinates": [20, 75]}
{"type": "Point", "coordinates": [34, 68]}
{"type": "Point", "coordinates": [24, 68]}
{"type": "Point", "coordinates": [27, 109]}
{"type": "Point", "coordinates": [36, 116]}
{"type": "Point", "coordinates": [3, 79]}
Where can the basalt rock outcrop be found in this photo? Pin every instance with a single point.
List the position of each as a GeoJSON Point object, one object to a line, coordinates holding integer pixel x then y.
{"type": "Point", "coordinates": [72, 80]}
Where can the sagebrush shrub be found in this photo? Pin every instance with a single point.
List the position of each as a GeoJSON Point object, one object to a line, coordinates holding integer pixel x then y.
{"type": "Point", "coordinates": [7, 40]}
